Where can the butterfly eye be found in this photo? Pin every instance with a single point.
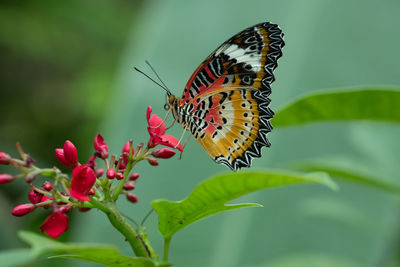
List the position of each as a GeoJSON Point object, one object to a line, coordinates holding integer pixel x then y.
{"type": "Point", "coordinates": [171, 99]}
{"type": "Point", "coordinates": [166, 107]}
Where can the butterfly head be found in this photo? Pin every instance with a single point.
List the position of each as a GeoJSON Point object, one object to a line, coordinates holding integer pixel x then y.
{"type": "Point", "coordinates": [171, 102]}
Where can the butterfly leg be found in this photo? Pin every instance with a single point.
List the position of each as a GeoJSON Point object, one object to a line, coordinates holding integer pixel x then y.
{"type": "Point", "coordinates": [187, 140]}
{"type": "Point", "coordinates": [172, 124]}
{"type": "Point", "coordinates": [163, 121]}
{"type": "Point", "coordinates": [180, 139]}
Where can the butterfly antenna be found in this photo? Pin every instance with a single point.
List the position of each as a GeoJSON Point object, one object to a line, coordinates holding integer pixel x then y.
{"type": "Point", "coordinates": [145, 217]}
{"type": "Point", "coordinates": [130, 219]}
{"type": "Point", "coordinates": [155, 72]}
{"type": "Point", "coordinates": [151, 79]}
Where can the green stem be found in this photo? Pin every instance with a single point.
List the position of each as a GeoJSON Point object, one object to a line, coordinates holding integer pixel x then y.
{"type": "Point", "coordinates": [121, 183]}
{"type": "Point", "coordinates": [119, 222]}
{"type": "Point", "coordinates": [166, 248]}
{"type": "Point", "coordinates": [132, 162]}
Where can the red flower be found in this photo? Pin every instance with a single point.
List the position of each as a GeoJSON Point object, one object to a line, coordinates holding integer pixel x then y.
{"type": "Point", "coordinates": [55, 224]}
{"type": "Point", "coordinates": [157, 129]}
{"type": "Point", "coordinates": [23, 209]}
{"type": "Point", "coordinates": [100, 146]}
{"type": "Point", "coordinates": [83, 179]}
{"type": "Point", "coordinates": [6, 178]}
{"type": "Point", "coordinates": [68, 156]}
{"type": "Point", "coordinates": [4, 158]}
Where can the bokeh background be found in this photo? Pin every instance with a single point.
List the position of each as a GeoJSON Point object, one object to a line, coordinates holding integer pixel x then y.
{"type": "Point", "coordinates": [66, 72]}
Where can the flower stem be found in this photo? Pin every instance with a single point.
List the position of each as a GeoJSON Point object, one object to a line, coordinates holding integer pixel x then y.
{"type": "Point", "coordinates": [121, 183]}
{"type": "Point", "coordinates": [120, 223]}
{"type": "Point", "coordinates": [166, 248]}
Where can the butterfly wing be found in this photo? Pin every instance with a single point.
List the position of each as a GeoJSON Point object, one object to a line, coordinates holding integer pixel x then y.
{"type": "Point", "coordinates": [228, 96]}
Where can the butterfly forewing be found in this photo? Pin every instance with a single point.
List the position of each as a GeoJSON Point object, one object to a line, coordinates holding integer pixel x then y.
{"type": "Point", "coordinates": [228, 96]}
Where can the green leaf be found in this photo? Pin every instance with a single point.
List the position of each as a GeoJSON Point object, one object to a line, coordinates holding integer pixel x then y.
{"type": "Point", "coordinates": [15, 257]}
{"type": "Point", "coordinates": [102, 254]}
{"type": "Point", "coordinates": [351, 174]}
{"type": "Point", "coordinates": [209, 197]}
{"type": "Point", "coordinates": [375, 104]}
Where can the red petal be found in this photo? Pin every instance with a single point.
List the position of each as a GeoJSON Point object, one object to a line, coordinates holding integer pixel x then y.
{"type": "Point", "coordinates": [100, 146]}
{"type": "Point", "coordinates": [79, 195]}
{"type": "Point", "coordinates": [99, 142]}
{"type": "Point", "coordinates": [148, 112]}
{"type": "Point", "coordinates": [61, 158]}
{"type": "Point", "coordinates": [70, 153]}
{"type": "Point", "coordinates": [83, 179]}
{"type": "Point", "coordinates": [126, 149]}
{"type": "Point", "coordinates": [170, 141]}
{"type": "Point", "coordinates": [55, 224]}
{"type": "Point", "coordinates": [156, 126]}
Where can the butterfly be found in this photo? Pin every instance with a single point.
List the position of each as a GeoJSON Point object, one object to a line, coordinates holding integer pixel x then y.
{"type": "Point", "coordinates": [225, 102]}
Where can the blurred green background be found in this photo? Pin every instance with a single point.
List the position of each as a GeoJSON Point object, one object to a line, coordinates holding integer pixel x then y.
{"type": "Point", "coordinates": [67, 73]}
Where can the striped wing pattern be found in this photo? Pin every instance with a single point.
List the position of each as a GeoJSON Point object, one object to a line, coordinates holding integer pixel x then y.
{"type": "Point", "coordinates": [225, 102]}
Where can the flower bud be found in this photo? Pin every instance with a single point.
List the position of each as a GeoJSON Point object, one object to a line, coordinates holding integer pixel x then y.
{"type": "Point", "coordinates": [91, 192]}
{"type": "Point", "coordinates": [29, 160]}
{"type": "Point", "coordinates": [91, 163]}
{"type": "Point", "coordinates": [4, 158]}
{"type": "Point", "coordinates": [119, 176]}
{"type": "Point", "coordinates": [6, 178]}
{"type": "Point", "coordinates": [134, 176]}
{"type": "Point", "coordinates": [100, 146]}
{"type": "Point", "coordinates": [99, 172]}
{"type": "Point", "coordinates": [129, 186]}
{"type": "Point", "coordinates": [152, 161]}
{"type": "Point", "coordinates": [132, 197]}
{"type": "Point", "coordinates": [125, 152]}
{"type": "Point", "coordinates": [163, 153]}
{"type": "Point", "coordinates": [23, 209]}
{"type": "Point", "coordinates": [110, 173]}
{"type": "Point", "coordinates": [30, 177]}
{"type": "Point", "coordinates": [84, 209]}
{"type": "Point", "coordinates": [48, 186]}
{"type": "Point", "coordinates": [36, 197]}
{"type": "Point", "coordinates": [70, 153]}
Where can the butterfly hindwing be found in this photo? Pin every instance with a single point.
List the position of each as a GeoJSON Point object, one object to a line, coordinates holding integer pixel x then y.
{"type": "Point", "coordinates": [227, 96]}
{"type": "Point", "coordinates": [233, 130]}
